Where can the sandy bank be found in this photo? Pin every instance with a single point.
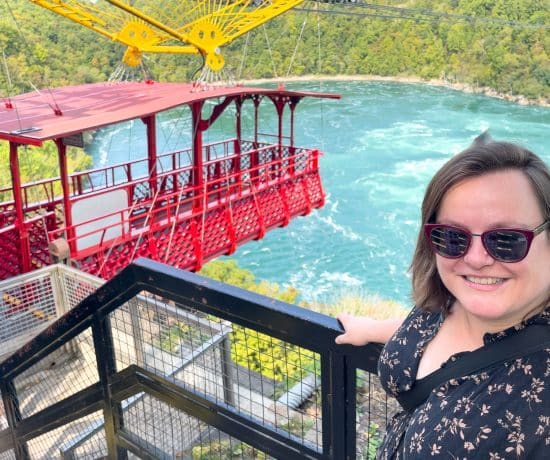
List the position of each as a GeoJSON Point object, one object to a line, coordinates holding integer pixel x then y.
{"type": "Point", "coordinates": [486, 91]}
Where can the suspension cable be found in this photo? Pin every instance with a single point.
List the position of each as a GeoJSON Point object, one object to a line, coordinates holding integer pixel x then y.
{"type": "Point", "coordinates": [243, 58]}
{"type": "Point", "coordinates": [31, 56]}
{"type": "Point", "coordinates": [395, 12]}
{"type": "Point", "coordinates": [319, 69]}
{"type": "Point", "coordinates": [291, 63]}
{"type": "Point", "coordinates": [270, 52]}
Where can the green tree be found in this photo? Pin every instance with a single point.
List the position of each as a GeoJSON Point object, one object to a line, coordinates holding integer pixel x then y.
{"type": "Point", "coordinates": [228, 271]}
{"type": "Point", "coordinates": [36, 163]}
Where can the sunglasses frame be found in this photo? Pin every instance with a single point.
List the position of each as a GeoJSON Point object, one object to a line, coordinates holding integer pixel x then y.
{"type": "Point", "coordinates": [528, 234]}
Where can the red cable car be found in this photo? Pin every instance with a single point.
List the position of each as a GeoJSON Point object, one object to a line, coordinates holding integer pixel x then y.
{"type": "Point", "coordinates": [181, 207]}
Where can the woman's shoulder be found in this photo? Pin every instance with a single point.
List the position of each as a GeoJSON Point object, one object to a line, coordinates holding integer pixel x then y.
{"type": "Point", "coordinates": [542, 318]}
{"type": "Point", "coordinates": [420, 322]}
{"type": "Point", "coordinates": [538, 320]}
{"type": "Point", "coordinates": [399, 358]}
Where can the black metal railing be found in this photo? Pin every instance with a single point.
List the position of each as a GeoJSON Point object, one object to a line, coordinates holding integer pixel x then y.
{"type": "Point", "coordinates": [163, 363]}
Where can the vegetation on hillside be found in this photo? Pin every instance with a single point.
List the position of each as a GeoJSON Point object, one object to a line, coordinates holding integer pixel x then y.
{"type": "Point", "coordinates": [511, 59]}
{"type": "Point", "coordinates": [271, 357]}
{"type": "Point", "coordinates": [37, 163]}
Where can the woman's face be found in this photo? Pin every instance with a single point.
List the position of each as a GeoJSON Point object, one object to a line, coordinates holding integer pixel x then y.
{"type": "Point", "coordinates": [502, 293]}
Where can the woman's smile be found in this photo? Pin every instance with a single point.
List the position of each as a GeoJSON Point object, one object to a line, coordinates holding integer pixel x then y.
{"type": "Point", "coordinates": [477, 281]}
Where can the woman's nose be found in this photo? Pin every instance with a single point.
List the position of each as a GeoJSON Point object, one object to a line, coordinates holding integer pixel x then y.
{"type": "Point", "coordinates": [477, 255]}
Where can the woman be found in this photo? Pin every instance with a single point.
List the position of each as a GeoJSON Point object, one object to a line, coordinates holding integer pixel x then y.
{"type": "Point", "coordinates": [480, 274]}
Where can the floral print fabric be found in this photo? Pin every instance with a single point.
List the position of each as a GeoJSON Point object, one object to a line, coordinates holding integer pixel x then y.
{"type": "Point", "coordinates": [502, 412]}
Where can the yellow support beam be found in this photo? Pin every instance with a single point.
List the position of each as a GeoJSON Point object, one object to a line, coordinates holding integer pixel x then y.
{"type": "Point", "coordinates": [203, 26]}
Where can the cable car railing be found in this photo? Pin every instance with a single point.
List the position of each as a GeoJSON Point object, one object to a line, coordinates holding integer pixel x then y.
{"type": "Point", "coordinates": [226, 185]}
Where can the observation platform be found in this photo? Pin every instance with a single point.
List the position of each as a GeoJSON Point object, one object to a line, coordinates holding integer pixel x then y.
{"type": "Point", "coordinates": [162, 363]}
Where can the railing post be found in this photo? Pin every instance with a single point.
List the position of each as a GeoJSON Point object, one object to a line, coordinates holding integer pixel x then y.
{"type": "Point", "coordinates": [58, 279]}
{"type": "Point", "coordinates": [133, 310]}
{"type": "Point", "coordinates": [227, 375]}
{"type": "Point", "coordinates": [338, 407]}
{"type": "Point", "coordinates": [65, 186]}
{"type": "Point", "coordinates": [106, 366]}
{"type": "Point", "coordinates": [13, 416]}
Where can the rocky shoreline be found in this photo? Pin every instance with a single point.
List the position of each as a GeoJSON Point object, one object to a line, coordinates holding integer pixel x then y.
{"type": "Point", "coordinates": [486, 91]}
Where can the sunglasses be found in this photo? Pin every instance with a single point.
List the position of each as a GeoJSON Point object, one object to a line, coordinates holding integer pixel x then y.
{"type": "Point", "coordinates": [502, 244]}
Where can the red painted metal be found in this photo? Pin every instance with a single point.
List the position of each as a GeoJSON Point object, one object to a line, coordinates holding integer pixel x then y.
{"type": "Point", "coordinates": [92, 106]}
{"type": "Point", "coordinates": [20, 227]}
{"type": "Point", "coordinates": [184, 214]}
{"type": "Point", "coordinates": [150, 123]}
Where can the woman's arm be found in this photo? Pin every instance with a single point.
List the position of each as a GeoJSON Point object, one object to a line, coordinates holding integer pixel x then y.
{"type": "Point", "coordinates": [361, 330]}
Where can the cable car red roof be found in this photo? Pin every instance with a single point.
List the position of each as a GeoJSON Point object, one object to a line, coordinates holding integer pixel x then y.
{"type": "Point", "coordinates": [34, 117]}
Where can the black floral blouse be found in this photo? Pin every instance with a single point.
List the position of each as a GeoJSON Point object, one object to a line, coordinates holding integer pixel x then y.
{"type": "Point", "coordinates": [500, 413]}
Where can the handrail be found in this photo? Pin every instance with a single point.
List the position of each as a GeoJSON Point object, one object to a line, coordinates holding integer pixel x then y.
{"type": "Point", "coordinates": [164, 280]}
{"type": "Point", "coordinates": [77, 177]}
{"type": "Point", "coordinates": [290, 323]}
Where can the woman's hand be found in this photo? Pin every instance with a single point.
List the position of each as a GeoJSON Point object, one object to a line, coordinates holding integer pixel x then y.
{"type": "Point", "coordinates": [360, 330]}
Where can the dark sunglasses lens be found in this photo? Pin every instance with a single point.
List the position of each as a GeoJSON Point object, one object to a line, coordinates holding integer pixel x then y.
{"type": "Point", "coordinates": [506, 246]}
{"type": "Point", "coordinates": [449, 242]}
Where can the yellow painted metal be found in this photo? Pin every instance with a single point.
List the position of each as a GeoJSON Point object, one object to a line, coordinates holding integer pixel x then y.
{"type": "Point", "coordinates": [173, 26]}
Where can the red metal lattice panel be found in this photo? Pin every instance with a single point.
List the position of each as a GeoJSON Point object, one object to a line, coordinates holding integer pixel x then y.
{"type": "Point", "coordinates": [9, 254]}
{"type": "Point", "coordinates": [177, 247]}
{"type": "Point", "coordinates": [7, 214]}
{"type": "Point", "coordinates": [141, 192]}
{"type": "Point", "coordinates": [301, 162]}
{"type": "Point", "coordinates": [315, 188]}
{"type": "Point", "coordinates": [184, 179]}
{"type": "Point", "coordinates": [108, 262]}
{"type": "Point", "coordinates": [214, 232]}
{"type": "Point", "coordinates": [296, 197]}
{"type": "Point", "coordinates": [38, 242]}
{"type": "Point", "coordinates": [272, 207]}
{"type": "Point", "coordinates": [245, 162]}
{"type": "Point", "coordinates": [245, 218]}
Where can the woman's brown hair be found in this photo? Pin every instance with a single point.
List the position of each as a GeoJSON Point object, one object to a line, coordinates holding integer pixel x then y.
{"type": "Point", "coordinates": [482, 157]}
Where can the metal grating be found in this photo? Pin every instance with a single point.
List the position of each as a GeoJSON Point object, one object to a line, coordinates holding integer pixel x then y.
{"type": "Point", "coordinates": [62, 373]}
{"type": "Point", "coordinates": [374, 409]}
{"type": "Point", "coordinates": [197, 352]}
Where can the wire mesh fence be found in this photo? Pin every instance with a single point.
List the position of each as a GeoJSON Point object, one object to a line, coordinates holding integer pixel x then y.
{"type": "Point", "coordinates": [30, 303]}
{"type": "Point", "coordinates": [207, 385]}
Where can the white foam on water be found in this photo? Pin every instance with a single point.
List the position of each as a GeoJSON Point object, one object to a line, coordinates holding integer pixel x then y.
{"type": "Point", "coordinates": [343, 278]}
{"type": "Point", "coordinates": [415, 171]}
{"type": "Point", "coordinates": [346, 232]}
{"type": "Point", "coordinates": [109, 142]}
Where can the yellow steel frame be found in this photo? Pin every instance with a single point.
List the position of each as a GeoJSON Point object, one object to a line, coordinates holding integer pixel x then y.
{"type": "Point", "coordinates": [204, 26]}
